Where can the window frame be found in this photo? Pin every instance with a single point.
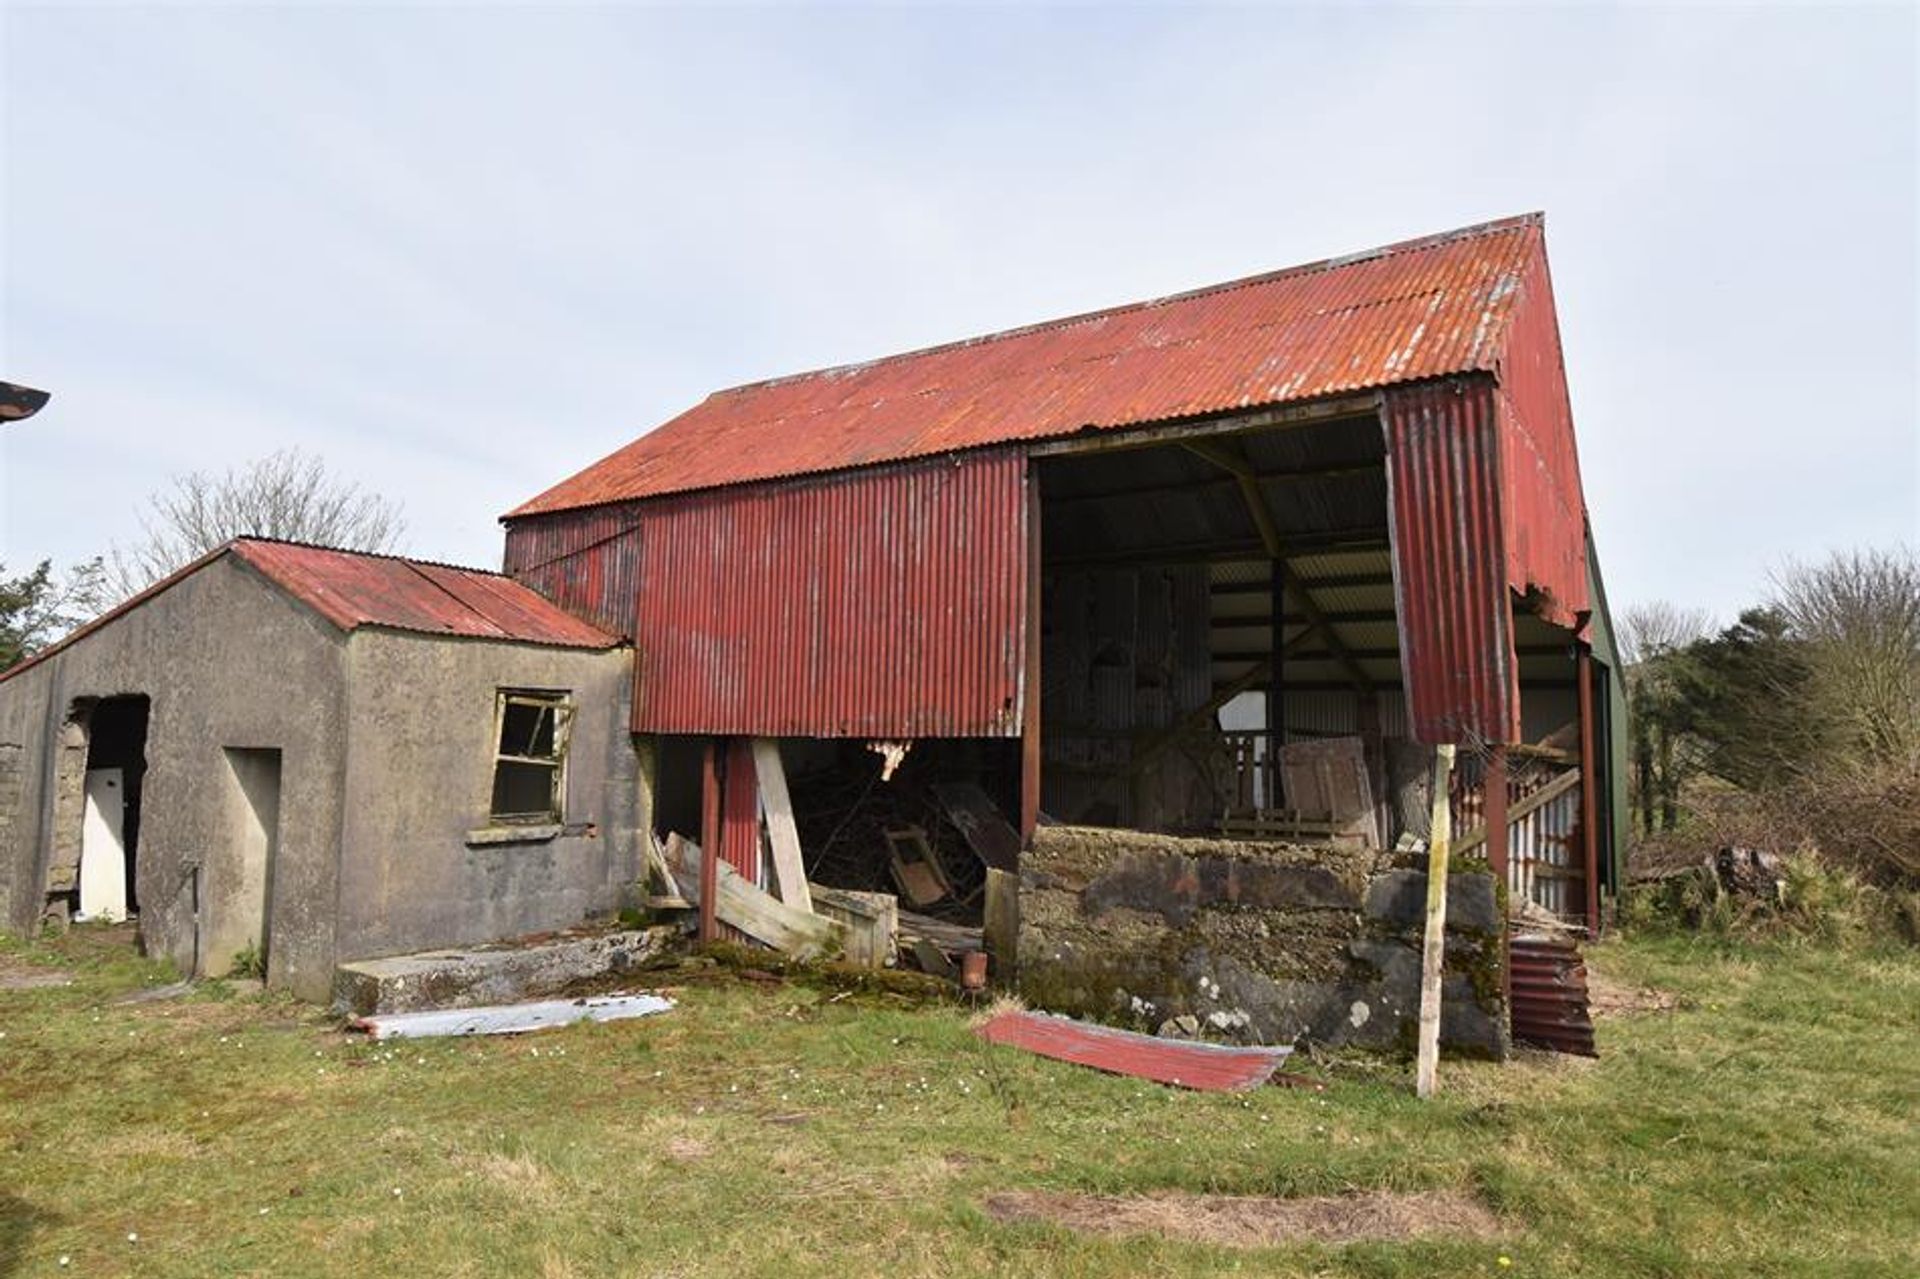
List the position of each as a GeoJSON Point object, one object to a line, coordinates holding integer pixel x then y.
{"type": "Point", "coordinates": [560, 702]}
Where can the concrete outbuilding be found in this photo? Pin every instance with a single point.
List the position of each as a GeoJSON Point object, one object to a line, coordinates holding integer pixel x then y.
{"type": "Point", "coordinates": [284, 757]}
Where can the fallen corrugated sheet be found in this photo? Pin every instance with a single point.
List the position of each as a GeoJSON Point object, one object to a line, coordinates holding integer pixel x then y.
{"type": "Point", "coordinates": [510, 1019]}
{"type": "Point", "coordinates": [1550, 995]}
{"type": "Point", "coordinates": [1206, 1067]}
{"type": "Point", "coordinates": [1420, 309]}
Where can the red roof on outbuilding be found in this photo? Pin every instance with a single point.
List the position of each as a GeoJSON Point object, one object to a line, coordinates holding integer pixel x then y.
{"type": "Point", "coordinates": [352, 589]}
{"type": "Point", "coordinates": [1420, 309]}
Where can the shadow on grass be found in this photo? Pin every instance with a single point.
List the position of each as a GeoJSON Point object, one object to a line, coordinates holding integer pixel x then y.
{"type": "Point", "coordinates": [18, 1220]}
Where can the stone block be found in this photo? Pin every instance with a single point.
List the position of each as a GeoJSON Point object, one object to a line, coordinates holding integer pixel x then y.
{"type": "Point", "coordinates": [1399, 898]}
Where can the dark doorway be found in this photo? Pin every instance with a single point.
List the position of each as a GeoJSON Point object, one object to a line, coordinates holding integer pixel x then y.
{"type": "Point", "coordinates": [117, 740]}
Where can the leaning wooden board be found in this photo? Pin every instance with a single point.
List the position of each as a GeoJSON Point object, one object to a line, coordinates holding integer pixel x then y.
{"type": "Point", "coordinates": [758, 914]}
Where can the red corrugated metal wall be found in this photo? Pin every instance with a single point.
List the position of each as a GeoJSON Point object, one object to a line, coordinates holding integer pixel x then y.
{"type": "Point", "coordinates": [888, 602]}
{"type": "Point", "coordinates": [586, 561]}
{"type": "Point", "coordinates": [1450, 562]}
{"type": "Point", "coordinates": [740, 812]}
{"type": "Point", "coordinates": [1545, 512]}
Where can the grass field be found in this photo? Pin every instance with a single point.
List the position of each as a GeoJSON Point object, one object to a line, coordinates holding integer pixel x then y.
{"type": "Point", "coordinates": [1768, 1125]}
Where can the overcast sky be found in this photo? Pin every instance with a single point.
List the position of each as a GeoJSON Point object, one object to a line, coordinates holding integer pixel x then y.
{"type": "Point", "coordinates": [464, 251]}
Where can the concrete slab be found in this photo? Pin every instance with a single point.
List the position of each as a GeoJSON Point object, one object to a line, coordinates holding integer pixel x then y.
{"type": "Point", "coordinates": [499, 974]}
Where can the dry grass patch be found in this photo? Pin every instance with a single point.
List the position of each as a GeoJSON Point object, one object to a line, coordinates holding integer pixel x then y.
{"type": "Point", "coordinates": [147, 1143]}
{"type": "Point", "coordinates": [1252, 1221]}
{"type": "Point", "coordinates": [521, 1178]}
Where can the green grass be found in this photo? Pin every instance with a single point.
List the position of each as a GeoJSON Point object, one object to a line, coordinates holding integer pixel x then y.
{"type": "Point", "coordinates": [1769, 1126]}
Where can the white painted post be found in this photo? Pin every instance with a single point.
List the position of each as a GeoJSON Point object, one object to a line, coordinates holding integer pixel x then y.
{"type": "Point", "coordinates": [1434, 952]}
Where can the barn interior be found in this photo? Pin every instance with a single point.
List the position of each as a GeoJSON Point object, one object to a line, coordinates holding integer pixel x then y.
{"type": "Point", "coordinates": [1212, 604]}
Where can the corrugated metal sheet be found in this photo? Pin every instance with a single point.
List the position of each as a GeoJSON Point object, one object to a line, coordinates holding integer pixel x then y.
{"type": "Point", "coordinates": [1207, 1067]}
{"type": "Point", "coordinates": [1409, 311]}
{"type": "Point", "coordinates": [1449, 562]}
{"type": "Point", "coordinates": [890, 602]}
{"type": "Point", "coordinates": [740, 814]}
{"type": "Point", "coordinates": [586, 561]}
{"type": "Point", "coordinates": [351, 589]}
{"type": "Point", "coordinates": [1550, 1006]}
{"type": "Point", "coordinates": [1540, 467]}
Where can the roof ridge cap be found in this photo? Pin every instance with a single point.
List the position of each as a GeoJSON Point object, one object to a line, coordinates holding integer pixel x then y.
{"type": "Point", "coordinates": [1493, 227]}
{"type": "Point", "coordinates": [415, 561]}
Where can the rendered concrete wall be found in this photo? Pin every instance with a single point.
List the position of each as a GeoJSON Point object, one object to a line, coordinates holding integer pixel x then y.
{"type": "Point", "coordinates": [227, 661]}
{"type": "Point", "coordinates": [420, 778]}
{"type": "Point", "coordinates": [1253, 943]}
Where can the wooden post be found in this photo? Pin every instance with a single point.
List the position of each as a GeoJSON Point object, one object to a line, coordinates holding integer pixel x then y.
{"type": "Point", "coordinates": [1498, 841]}
{"type": "Point", "coordinates": [789, 869]}
{"type": "Point", "coordinates": [1275, 795]}
{"type": "Point", "coordinates": [1000, 927]}
{"type": "Point", "coordinates": [646, 785]}
{"type": "Point", "coordinates": [1433, 951]}
{"type": "Point", "coordinates": [1589, 793]}
{"type": "Point", "coordinates": [1495, 810]}
{"type": "Point", "coordinates": [710, 840]}
{"type": "Point", "coordinates": [1030, 685]}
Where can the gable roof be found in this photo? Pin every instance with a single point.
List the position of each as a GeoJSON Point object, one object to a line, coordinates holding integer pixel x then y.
{"type": "Point", "coordinates": [352, 589]}
{"type": "Point", "coordinates": [1423, 308]}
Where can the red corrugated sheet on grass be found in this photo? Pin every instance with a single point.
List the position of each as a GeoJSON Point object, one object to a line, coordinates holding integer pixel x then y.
{"type": "Point", "coordinates": [1207, 1067]}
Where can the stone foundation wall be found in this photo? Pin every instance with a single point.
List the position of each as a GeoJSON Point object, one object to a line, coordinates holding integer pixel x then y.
{"type": "Point", "coordinates": [1251, 942]}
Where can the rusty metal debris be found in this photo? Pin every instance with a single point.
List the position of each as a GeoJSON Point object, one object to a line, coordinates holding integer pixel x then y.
{"type": "Point", "coordinates": [1184, 1064]}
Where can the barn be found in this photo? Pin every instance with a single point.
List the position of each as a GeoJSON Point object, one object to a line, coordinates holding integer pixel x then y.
{"type": "Point", "coordinates": [1220, 567]}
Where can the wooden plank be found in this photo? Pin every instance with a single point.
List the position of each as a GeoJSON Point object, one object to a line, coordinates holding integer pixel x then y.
{"type": "Point", "coordinates": [789, 870]}
{"type": "Point", "coordinates": [1521, 807]}
{"type": "Point", "coordinates": [979, 822]}
{"type": "Point", "coordinates": [1000, 927]}
{"type": "Point", "coordinates": [657, 866]}
{"type": "Point", "coordinates": [872, 921]}
{"type": "Point", "coordinates": [1329, 779]}
{"type": "Point", "coordinates": [757, 913]}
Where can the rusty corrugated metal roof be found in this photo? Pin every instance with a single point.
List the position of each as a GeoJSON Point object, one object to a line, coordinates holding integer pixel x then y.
{"type": "Point", "coordinates": [352, 589]}
{"type": "Point", "coordinates": [1420, 309]}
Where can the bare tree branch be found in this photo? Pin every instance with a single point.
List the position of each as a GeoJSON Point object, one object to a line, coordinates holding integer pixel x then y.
{"type": "Point", "coordinates": [288, 495]}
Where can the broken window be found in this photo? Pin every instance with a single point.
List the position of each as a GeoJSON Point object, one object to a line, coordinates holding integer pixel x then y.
{"type": "Point", "coordinates": [529, 767]}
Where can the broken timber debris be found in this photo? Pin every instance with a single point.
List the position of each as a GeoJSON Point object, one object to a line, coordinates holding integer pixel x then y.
{"type": "Point", "coordinates": [915, 868]}
{"type": "Point", "coordinates": [758, 914]}
{"type": "Point", "coordinates": [872, 922]}
{"type": "Point", "coordinates": [980, 823]}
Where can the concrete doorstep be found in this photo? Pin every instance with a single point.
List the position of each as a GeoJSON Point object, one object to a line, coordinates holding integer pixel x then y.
{"type": "Point", "coordinates": [499, 974]}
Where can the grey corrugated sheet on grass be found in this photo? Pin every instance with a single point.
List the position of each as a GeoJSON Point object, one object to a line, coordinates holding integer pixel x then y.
{"type": "Point", "coordinates": [510, 1019]}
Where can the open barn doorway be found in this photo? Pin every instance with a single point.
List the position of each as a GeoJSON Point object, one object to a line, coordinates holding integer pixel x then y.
{"type": "Point", "coordinates": [1209, 598]}
{"type": "Point", "coordinates": [100, 805]}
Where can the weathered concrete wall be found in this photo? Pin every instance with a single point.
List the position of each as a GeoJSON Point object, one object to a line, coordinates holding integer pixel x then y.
{"type": "Point", "coordinates": [1256, 943]}
{"type": "Point", "coordinates": [227, 661]}
{"type": "Point", "coordinates": [420, 778]}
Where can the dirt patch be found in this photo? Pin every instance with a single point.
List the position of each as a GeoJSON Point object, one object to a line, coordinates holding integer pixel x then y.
{"type": "Point", "coordinates": [18, 976]}
{"type": "Point", "coordinates": [686, 1149]}
{"type": "Point", "coordinates": [1606, 998]}
{"type": "Point", "coordinates": [1251, 1221]}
